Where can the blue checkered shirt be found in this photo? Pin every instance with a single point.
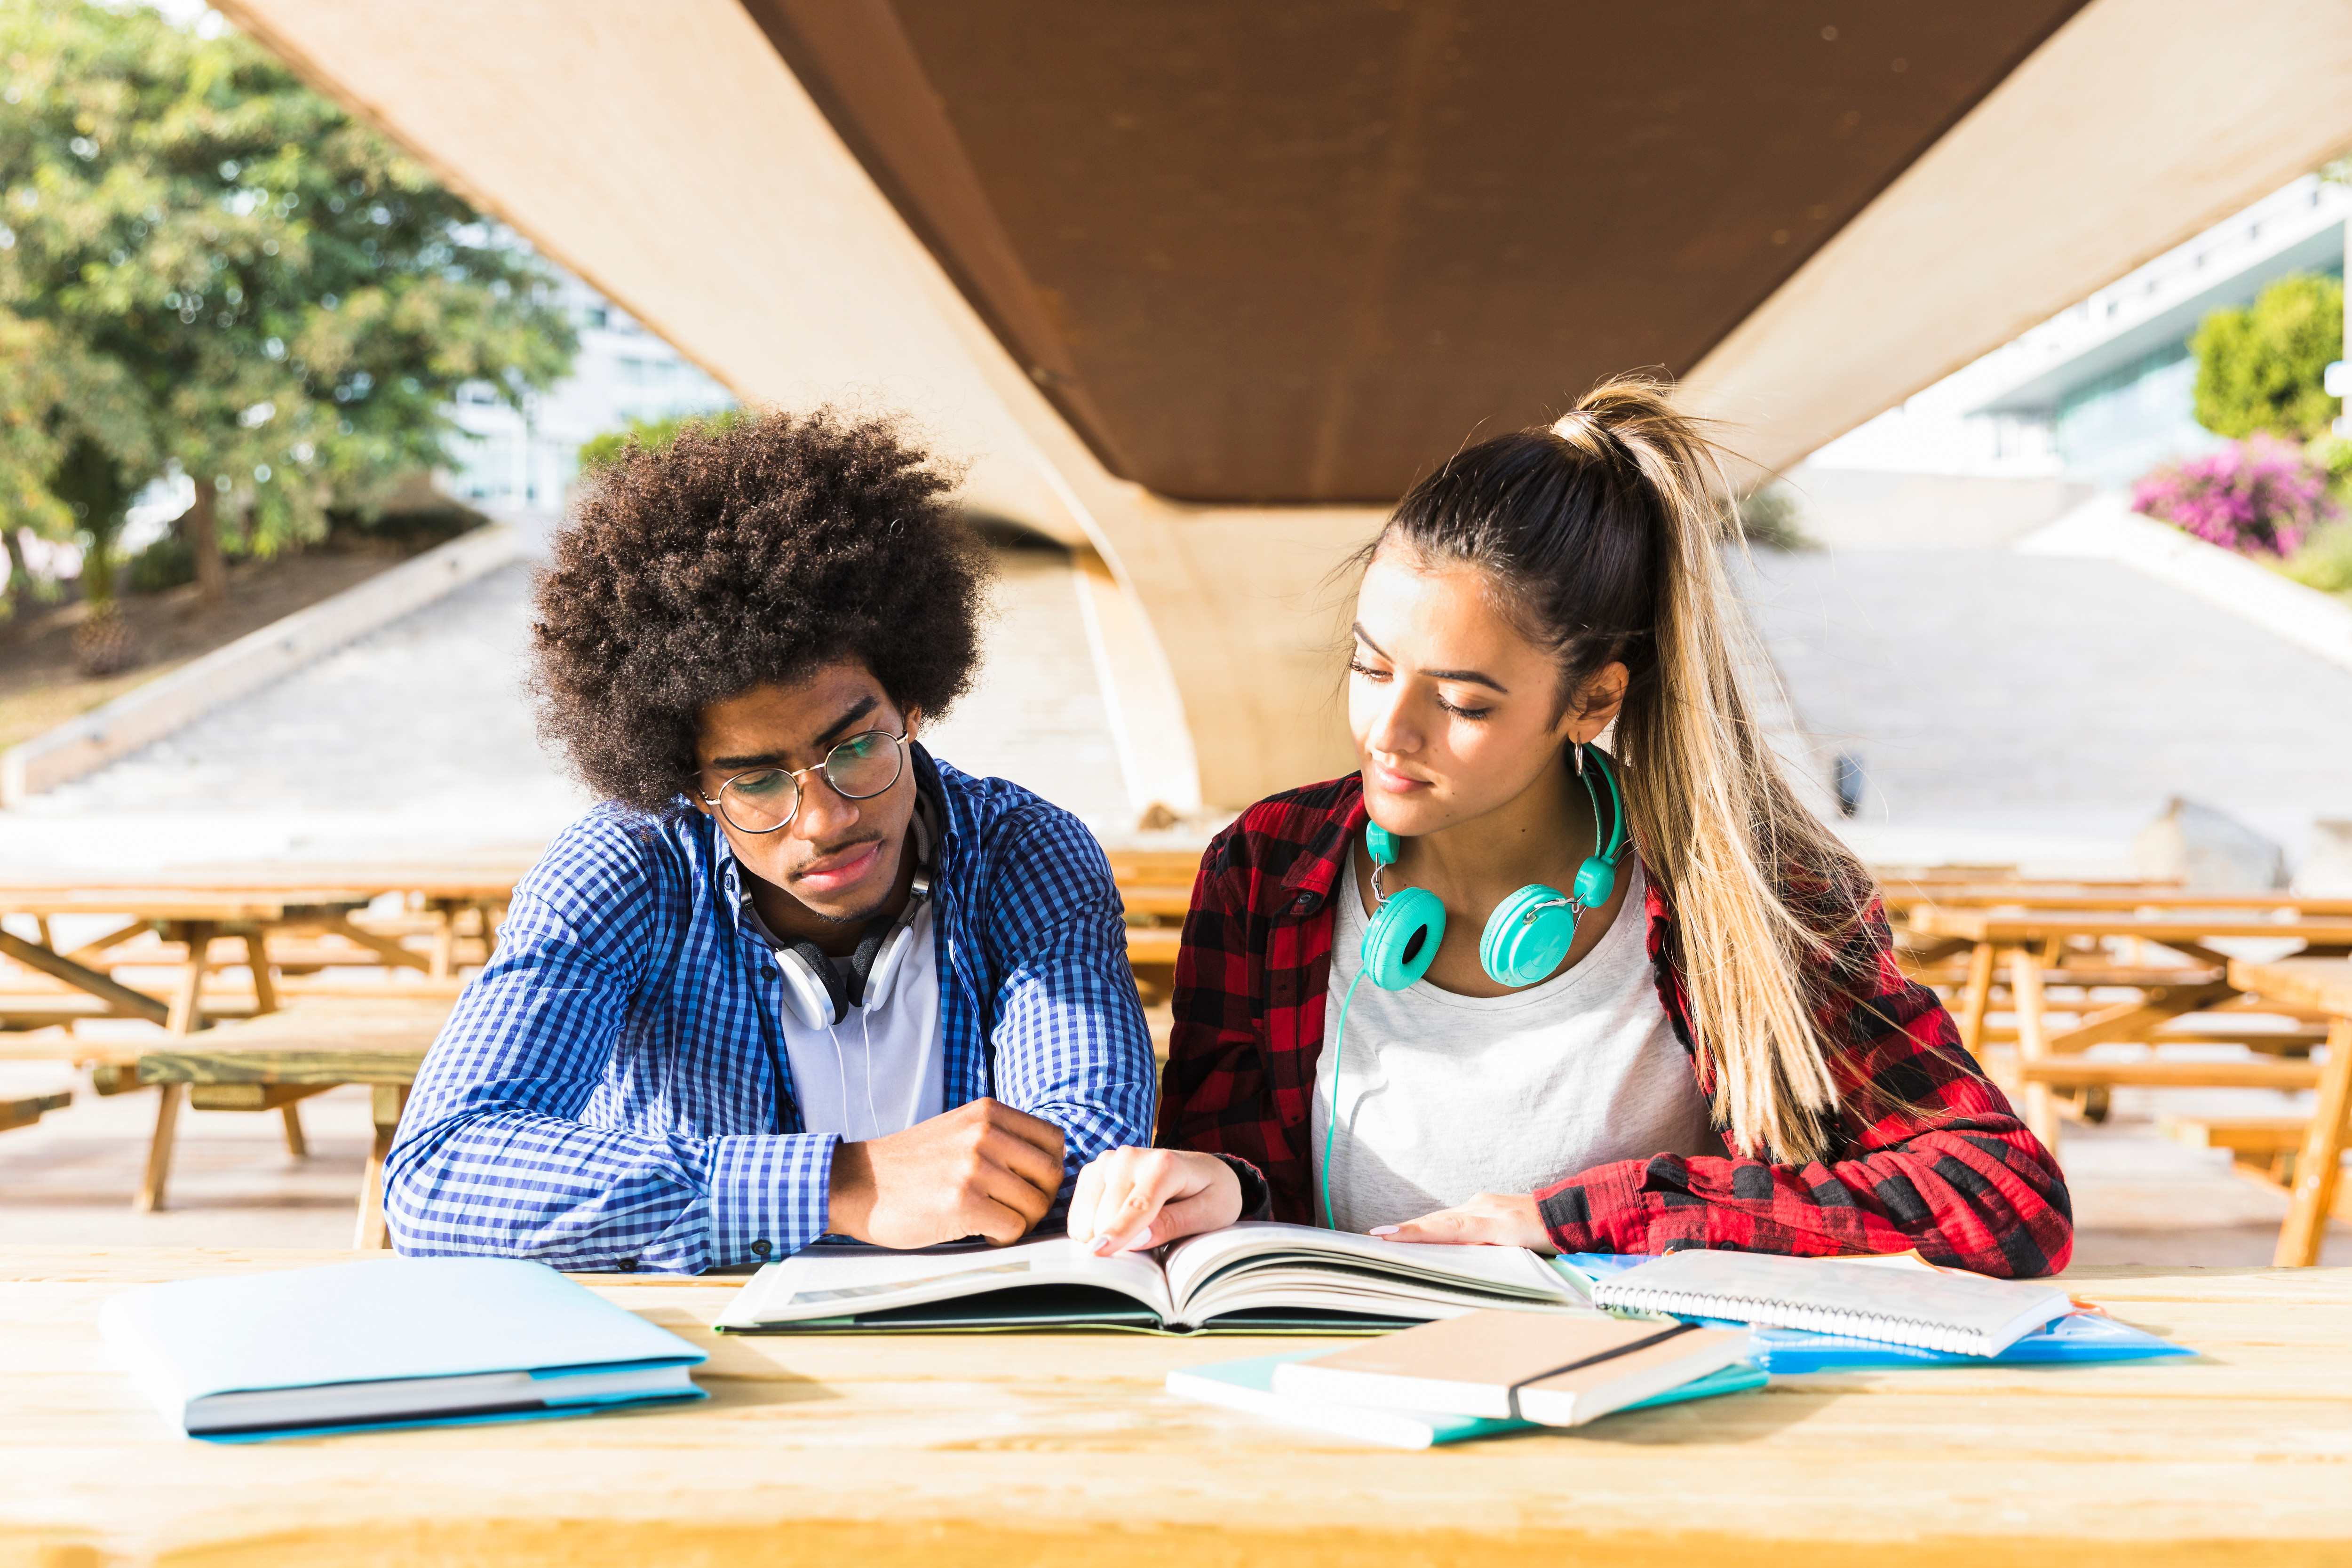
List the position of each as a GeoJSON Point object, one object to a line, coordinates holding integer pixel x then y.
{"type": "Point", "coordinates": [613, 1091]}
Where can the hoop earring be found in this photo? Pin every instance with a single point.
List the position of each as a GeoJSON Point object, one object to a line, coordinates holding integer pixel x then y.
{"type": "Point", "coordinates": [1578, 747]}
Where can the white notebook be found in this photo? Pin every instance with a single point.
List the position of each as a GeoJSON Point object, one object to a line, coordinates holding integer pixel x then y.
{"type": "Point", "coordinates": [1942, 1309]}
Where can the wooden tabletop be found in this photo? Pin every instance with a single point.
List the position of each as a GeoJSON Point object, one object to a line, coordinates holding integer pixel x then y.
{"type": "Point", "coordinates": [150, 902]}
{"type": "Point", "coordinates": [2325, 983]}
{"type": "Point", "coordinates": [314, 1042]}
{"type": "Point", "coordinates": [2036, 925]}
{"type": "Point", "coordinates": [1051, 1448]}
{"type": "Point", "coordinates": [2108, 896]}
{"type": "Point", "coordinates": [489, 882]}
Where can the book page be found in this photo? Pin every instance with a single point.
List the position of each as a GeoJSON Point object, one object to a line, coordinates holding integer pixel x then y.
{"type": "Point", "coordinates": [1259, 1263]}
{"type": "Point", "coordinates": [832, 1281]}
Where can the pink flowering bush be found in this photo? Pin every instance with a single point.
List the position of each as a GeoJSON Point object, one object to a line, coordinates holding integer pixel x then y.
{"type": "Point", "coordinates": [2258, 497]}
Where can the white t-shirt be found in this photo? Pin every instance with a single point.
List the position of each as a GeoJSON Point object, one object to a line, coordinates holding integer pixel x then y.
{"type": "Point", "coordinates": [880, 1069]}
{"type": "Point", "coordinates": [1443, 1097]}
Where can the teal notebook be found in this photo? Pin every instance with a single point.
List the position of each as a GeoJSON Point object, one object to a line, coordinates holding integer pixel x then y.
{"type": "Point", "coordinates": [1247, 1384]}
{"type": "Point", "coordinates": [397, 1342]}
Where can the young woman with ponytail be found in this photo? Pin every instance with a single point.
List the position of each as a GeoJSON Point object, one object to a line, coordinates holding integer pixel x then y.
{"type": "Point", "coordinates": [1726, 1056]}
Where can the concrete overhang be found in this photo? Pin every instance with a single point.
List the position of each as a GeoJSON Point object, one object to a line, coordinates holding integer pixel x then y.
{"type": "Point", "coordinates": [667, 154]}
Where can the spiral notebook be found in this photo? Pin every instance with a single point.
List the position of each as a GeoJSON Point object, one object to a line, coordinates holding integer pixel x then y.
{"type": "Point", "coordinates": [1943, 1309]}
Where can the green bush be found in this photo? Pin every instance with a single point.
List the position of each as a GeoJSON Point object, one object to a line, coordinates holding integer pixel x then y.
{"type": "Point", "coordinates": [651, 434]}
{"type": "Point", "coordinates": [1768, 519]}
{"type": "Point", "coordinates": [2324, 562]}
{"type": "Point", "coordinates": [166, 564]}
{"type": "Point", "coordinates": [2263, 368]}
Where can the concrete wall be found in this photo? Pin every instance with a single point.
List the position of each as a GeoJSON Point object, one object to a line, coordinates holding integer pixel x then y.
{"type": "Point", "coordinates": [1863, 509]}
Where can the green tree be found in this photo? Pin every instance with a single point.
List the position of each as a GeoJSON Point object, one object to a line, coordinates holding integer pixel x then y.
{"type": "Point", "coordinates": [2262, 368]}
{"type": "Point", "coordinates": [650, 434]}
{"type": "Point", "coordinates": [290, 302]}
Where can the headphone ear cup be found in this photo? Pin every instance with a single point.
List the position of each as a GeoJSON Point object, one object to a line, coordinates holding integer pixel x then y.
{"type": "Point", "coordinates": [813, 989]}
{"type": "Point", "coordinates": [1528, 935]}
{"type": "Point", "coordinates": [878, 962]}
{"type": "Point", "coordinates": [1401, 941]}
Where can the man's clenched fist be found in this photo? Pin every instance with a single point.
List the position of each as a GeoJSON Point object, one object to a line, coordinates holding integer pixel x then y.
{"type": "Point", "coordinates": [983, 1169]}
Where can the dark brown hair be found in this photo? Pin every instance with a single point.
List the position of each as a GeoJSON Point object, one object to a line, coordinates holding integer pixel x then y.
{"type": "Point", "coordinates": [739, 555]}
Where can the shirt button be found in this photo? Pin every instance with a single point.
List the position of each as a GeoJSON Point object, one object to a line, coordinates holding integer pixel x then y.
{"type": "Point", "coordinates": [1306, 905]}
{"type": "Point", "coordinates": [627, 1266]}
{"type": "Point", "coordinates": [761, 1249]}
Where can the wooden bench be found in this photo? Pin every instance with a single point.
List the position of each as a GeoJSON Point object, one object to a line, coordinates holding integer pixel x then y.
{"type": "Point", "coordinates": [2263, 1149]}
{"type": "Point", "coordinates": [271, 1062]}
{"type": "Point", "coordinates": [2325, 984]}
{"type": "Point", "coordinates": [26, 1109]}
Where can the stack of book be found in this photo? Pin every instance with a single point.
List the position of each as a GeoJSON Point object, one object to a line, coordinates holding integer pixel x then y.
{"type": "Point", "coordinates": [1480, 1376]}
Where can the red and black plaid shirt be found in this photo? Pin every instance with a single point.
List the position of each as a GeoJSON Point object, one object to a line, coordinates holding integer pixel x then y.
{"type": "Point", "coordinates": [1957, 1176]}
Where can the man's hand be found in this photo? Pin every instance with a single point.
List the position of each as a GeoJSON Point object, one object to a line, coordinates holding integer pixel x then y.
{"type": "Point", "coordinates": [983, 1169]}
{"type": "Point", "coordinates": [1131, 1198]}
{"type": "Point", "coordinates": [1490, 1219]}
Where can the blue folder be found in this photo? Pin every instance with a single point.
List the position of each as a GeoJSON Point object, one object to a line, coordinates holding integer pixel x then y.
{"type": "Point", "coordinates": [400, 1341]}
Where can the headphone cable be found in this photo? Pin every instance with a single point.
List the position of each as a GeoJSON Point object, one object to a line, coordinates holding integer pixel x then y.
{"type": "Point", "coordinates": [1331, 1130]}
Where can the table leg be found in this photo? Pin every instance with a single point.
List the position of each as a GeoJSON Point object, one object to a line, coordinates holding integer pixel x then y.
{"type": "Point", "coordinates": [2032, 1044]}
{"type": "Point", "coordinates": [1976, 997]}
{"type": "Point", "coordinates": [2315, 1168]}
{"type": "Point", "coordinates": [445, 938]}
{"type": "Point", "coordinates": [187, 1007]}
{"type": "Point", "coordinates": [389, 1099]}
{"type": "Point", "coordinates": [159, 1151]}
{"type": "Point", "coordinates": [296, 1145]}
{"type": "Point", "coordinates": [265, 988]}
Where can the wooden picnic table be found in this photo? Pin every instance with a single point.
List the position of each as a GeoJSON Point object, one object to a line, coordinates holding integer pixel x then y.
{"type": "Point", "coordinates": [2325, 985]}
{"type": "Point", "coordinates": [1050, 1448]}
{"type": "Point", "coordinates": [190, 917]}
{"type": "Point", "coordinates": [274, 1061]}
{"type": "Point", "coordinates": [2032, 944]}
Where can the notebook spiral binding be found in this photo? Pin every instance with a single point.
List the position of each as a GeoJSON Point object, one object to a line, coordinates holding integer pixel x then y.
{"type": "Point", "coordinates": [1786, 1315]}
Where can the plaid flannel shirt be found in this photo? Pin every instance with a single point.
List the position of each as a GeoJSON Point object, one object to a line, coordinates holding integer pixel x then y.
{"type": "Point", "coordinates": [1961, 1179]}
{"type": "Point", "coordinates": [613, 1091]}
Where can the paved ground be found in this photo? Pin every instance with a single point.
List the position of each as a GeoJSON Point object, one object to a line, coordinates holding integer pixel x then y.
{"type": "Point", "coordinates": [417, 739]}
{"type": "Point", "coordinates": [2047, 702]}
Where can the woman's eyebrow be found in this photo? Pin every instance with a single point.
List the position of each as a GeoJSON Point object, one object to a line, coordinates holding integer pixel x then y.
{"type": "Point", "coordinates": [1474, 676]}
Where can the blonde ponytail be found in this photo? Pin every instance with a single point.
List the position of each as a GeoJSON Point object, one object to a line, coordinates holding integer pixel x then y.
{"type": "Point", "coordinates": [1606, 533]}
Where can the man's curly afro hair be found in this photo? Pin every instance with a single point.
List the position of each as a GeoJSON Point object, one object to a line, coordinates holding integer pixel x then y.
{"type": "Point", "coordinates": [744, 553]}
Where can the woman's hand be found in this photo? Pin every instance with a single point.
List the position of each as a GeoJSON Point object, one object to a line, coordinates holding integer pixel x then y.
{"type": "Point", "coordinates": [1132, 1198]}
{"type": "Point", "coordinates": [1490, 1219]}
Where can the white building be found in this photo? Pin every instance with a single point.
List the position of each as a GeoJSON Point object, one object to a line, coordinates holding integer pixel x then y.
{"type": "Point", "coordinates": [2103, 392]}
{"type": "Point", "coordinates": [622, 373]}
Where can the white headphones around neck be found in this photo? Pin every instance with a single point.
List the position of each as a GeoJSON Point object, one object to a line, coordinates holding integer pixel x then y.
{"type": "Point", "coordinates": [815, 992]}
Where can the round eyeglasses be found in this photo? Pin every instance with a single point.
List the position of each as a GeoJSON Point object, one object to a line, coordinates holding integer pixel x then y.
{"type": "Point", "coordinates": [765, 799]}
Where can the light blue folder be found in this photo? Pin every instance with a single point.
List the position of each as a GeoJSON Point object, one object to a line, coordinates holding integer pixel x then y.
{"type": "Point", "coordinates": [400, 1341]}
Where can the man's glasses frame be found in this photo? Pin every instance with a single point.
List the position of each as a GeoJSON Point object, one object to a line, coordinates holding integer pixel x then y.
{"type": "Point", "coordinates": [800, 791]}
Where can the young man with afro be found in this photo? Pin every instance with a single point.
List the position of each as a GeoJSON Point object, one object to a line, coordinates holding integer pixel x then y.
{"type": "Point", "coordinates": [796, 976]}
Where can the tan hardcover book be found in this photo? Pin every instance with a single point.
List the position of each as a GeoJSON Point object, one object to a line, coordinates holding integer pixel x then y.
{"type": "Point", "coordinates": [1572, 1398]}
{"type": "Point", "coordinates": [1476, 1363]}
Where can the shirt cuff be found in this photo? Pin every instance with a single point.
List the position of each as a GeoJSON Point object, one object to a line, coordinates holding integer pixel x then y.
{"type": "Point", "coordinates": [769, 1195]}
{"type": "Point", "coordinates": [1257, 1193]}
{"type": "Point", "coordinates": [1599, 1210]}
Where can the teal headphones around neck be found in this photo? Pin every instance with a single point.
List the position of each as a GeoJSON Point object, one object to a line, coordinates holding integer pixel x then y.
{"type": "Point", "coordinates": [1525, 937]}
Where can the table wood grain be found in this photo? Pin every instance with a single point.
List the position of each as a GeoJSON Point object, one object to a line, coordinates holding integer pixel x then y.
{"type": "Point", "coordinates": [1052, 1448]}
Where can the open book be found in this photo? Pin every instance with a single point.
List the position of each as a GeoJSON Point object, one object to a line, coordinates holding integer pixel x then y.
{"type": "Point", "coordinates": [1252, 1278]}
